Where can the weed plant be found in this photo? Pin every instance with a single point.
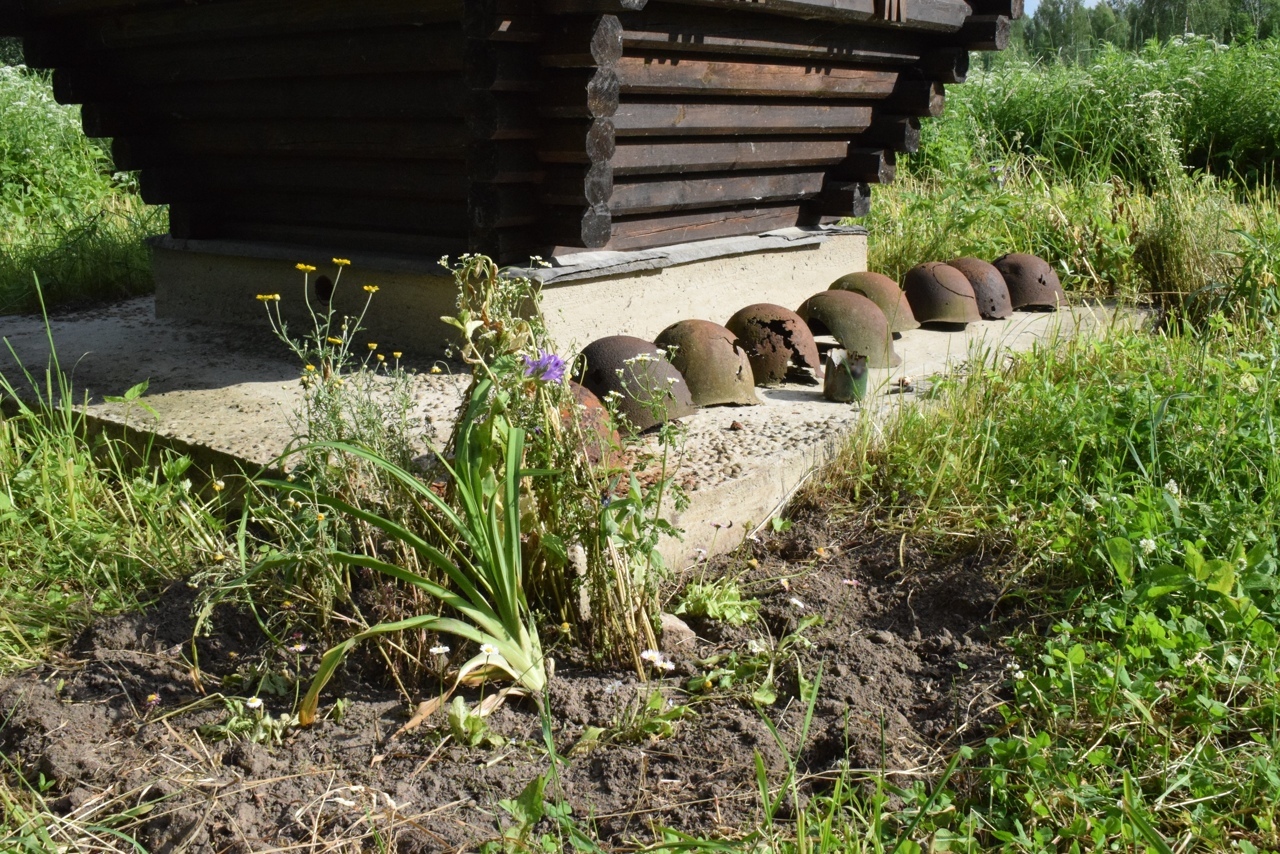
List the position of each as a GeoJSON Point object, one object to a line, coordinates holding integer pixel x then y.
{"type": "Point", "coordinates": [64, 212]}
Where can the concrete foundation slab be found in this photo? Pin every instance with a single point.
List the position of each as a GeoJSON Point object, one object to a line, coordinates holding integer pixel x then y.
{"type": "Point", "coordinates": [228, 394]}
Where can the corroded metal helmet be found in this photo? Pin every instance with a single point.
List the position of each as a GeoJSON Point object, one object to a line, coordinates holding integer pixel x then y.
{"type": "Point", "coordinates": [1032, 282]}
{"type": "Point", "coordinates": [600, 442]}
{"type": "Point", "coordinates": [776, 340]}
{"type": "Point", "coordinates": [988, 287]}
{"type": "Point", "coordinates": [855, 321]}
{"type": "Point", "coordinates": [884, 292]}
{"type": "Point", "coordinates": [713, 364]}
{"type": "Point", "coordinates": [648, 389]}
{"type": "Point", "coordinates": [940, 294]}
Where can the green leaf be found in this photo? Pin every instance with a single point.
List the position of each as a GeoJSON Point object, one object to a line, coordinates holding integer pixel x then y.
{"type": "Point", "coordinates": [1120, 553]}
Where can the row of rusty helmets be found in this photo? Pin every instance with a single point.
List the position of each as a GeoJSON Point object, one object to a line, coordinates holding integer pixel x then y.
{"type": "Point", "coordinates": [965, 290]}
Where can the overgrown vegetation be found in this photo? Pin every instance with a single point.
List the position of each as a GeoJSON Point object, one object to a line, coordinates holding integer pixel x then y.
{"type": "Point", "coordinates": [64, 213]}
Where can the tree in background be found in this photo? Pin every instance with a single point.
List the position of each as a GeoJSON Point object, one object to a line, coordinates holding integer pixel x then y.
{"type": "Point", "coordinates": [1069, 30]}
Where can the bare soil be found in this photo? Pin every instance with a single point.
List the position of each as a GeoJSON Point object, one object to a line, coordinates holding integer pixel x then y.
{"type": "Point", "coordinates": [908, 648]}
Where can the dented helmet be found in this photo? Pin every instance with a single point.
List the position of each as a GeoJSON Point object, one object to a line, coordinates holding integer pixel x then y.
{"type": "Point", "coordinates": [940, 294]}
{"type": "Point", "coordinates": [884, 292]}
{"type": "Point", "coordinates": [988, 287]}
{"type": "Point", "coordinates": [1032, 282]}
{"type": "Point", "coordinates": [600, 442]}
{"type": "Point", "coordinates": [777, 341]}
{"type": "Point", "coordinates": [712, 362]}
{"type": "Point", "coordinates": [856, 322]}
{"type": "Point", "coordinates": [648, 390]}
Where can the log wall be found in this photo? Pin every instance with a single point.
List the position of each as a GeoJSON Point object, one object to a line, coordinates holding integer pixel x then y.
{"type": "Point", "coordinates": [509, 127]}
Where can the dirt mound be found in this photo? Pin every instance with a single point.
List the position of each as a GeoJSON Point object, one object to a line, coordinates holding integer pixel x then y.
{"type": "Point", "coordinates": [906, 648]}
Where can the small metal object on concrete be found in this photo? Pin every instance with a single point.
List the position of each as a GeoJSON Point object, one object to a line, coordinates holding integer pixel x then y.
{"type": "Point", "coordinates": [940, 294]}
{"type": "Point", "coordinates": [846, 377]}
{"type": "Point", "coordinates": [711, 361]}
{"type": "Point", "coordinates": [855, 321]}
{"type": "Point", "coordinates": [1032, 282]}
{"type": "Point", "coordinates": [777, 341]}
{"type": "Point", "coordinates": [989, 287]}
{"type": "Point", "coordinates": [648, 390]}
{"type": "Point", "coordinates": [884, 292]}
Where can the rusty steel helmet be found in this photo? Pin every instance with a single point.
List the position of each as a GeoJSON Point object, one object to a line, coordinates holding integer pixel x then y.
{"type": "Point", "coordinates": [600, 442]}
{"type": "Point", "coordinates": [855, 321]}
{"type": "Point", "coordinates": [647, 388]}
{"type": "Point", "coordinates": [940, 294]}
{"type": "Point", "coordinates": [712, 362]}
{"type": "Point", "coordinates": [988, 287]}
{"type": "Point", "coordinates": [884, 292]}
{"type": "Point", "coordinates": [777, 341]}
{"type": "Point", "coordinates": [1032, 282]}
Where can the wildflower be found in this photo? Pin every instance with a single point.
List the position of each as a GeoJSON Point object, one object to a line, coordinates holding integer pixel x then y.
{"type": "Point", "coordinates": [548, 367]}
{"type": "Point", "coordinates": [795, 601]}
{"type": "Point", "coordinates": [381, 358]}
{"type": "Point", "coordinates": [268, 297]}
{"type": "Point", "coordinates": [310, 368]}
{"type": "Point", "coordinates": [1090, 503]}
{"type": "Point", "coordinates": [667, 665]}
{"type": "Point", "coordinates": [306, 268]}
{"type": "Point", "coordinates": [219, 557]}
{"type": "Point", "coordinates": [298, 648]}
{"type": "Point", "coordinates": [373, 345]}
{"type": "Point", "coordinates": [488, 649]}
{"type": "Point", "coordinates": [565, 628]}
{"type": "Point", "coordinates": [219, 485]}
{"type": "Point", "coordinates": [1019, 675]}
{"type": "Point", "coordinates": [371, 289]}
{"type": "Point", "coordinates": [253, 704]}
{"type": "Point", "coordinates": [397, 354]}
{"type": "Point", "coordinates": [435, 369]}
{"type": "Point", "coordinates": [342, 262]}
{"type": "Point", "coordinates": [1147, 545]}
{"type": "Point", "coordinates": [319, 517]}
{"type": "Point", "coordinates": [850, 582]}
{"type": "Point", "coordinates": [651, 655]}
{"type": "Point", "coordinates": [153, 700]}
{"type": "Point", "coordinates": [286, 605]}
{"type": "Point", "coordinates": [1172, 488]}
{"type": "Point", "coordinates": [440, 650]}
{"type": "Point", "coordinates": [334, 341]}
{"type": "Point", "coordinates": [753, 563]}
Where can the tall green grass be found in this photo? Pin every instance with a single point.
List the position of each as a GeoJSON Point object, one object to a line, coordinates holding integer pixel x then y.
{"type": "Point", "coordinates": [64, 213]}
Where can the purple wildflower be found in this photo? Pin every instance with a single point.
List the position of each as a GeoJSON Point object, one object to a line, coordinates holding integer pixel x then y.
{"type": "Point", "coordinates": [548, 367]}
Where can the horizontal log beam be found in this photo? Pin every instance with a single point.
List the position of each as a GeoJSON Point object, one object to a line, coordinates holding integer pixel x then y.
{"type": "Point", "coordinates": [329, 241]}
{"type": "Point", "coordinates": [698, 77]}
{"type": "Point", "coordinates": [867, 166]}
{"type": "Point", "coordinates": [320, 209]}
{"type": "Point", "coordinates": [645, 232]}
{"type": "Point", "coordinates": [899, 133]}
{"type": "Point", "coordinates": [636, 157]}
{"type": "Point", "coordinates": [736, 119]}
{"type": "Point", "coordinates": [650, 197]}
{"type": "Point", "coordinates": [843, 199]}
{"type": "Point", "coordinates": [842, 11]}
{"type": "Point", "coordinates": [986, 32]}
{"type": "Point", "coordinates": [1009, 8]}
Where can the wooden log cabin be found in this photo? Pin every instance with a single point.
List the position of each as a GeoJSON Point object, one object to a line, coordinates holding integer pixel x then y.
{"type": "Point", "coordinates": [509, 127]}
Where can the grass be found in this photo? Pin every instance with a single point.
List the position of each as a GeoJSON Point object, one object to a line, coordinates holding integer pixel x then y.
{"type": "Point", "coordinates": [65, 214]}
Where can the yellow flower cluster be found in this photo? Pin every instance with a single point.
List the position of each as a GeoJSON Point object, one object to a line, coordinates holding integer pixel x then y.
{"type": "Point", "coordinates": [397, 354]}
{"type": "Point", "coordinates": [306, 268]}
{"type": "Point", "coordinates": [371, 289]}
{"type": "Point", "coordinates": [373, 345]}
{"type": "Point", "coordinates": [268, 297]}
{"type": "Point", "coordinates": [310, 368]}
{"type": "Point", "coordinates": [333, 340]}
{"type": "Point", "coordinates": [342, 262]}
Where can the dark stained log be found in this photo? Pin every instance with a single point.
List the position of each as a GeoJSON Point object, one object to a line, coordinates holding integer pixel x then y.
{"type": "Point", "coordinates": [320, 55]}
{"type": "Point", "coordinates": [13, 19]}
{"type": "Point", "coordinates": [695, 31]}
{"type": "Point", "coordinates": [868, 166]}
{"type": "Point", "coordinates": [575, 94]}
{"type": "Point", "coordinates": [589, 228]}
{"type": "Point", "coordinates": [900, 133]}
{"type": "Point", "coordinates": [942, 15]}
{"type": "Point", "coordinates": [493, 206]}
{"type": "Point", "coordinates": [507, 245]}
{"type": "Point", "coordinates": [916, 98]}
{"type": "Point", "coordinates": [497, 117]}
{"type": "Point", "coordinates": [1009, 8]}
{"type": "Point", "coordinates": [202, 178]}
{"type": "Point", "coordinates": [255, 19]}
{"type": "Point", "coordinates": [713, 191]}
{"type": "Point", "coordinates": [697, 77]}
{"type": "Point", "coordinates": [70, 8]}
{"type": "Point", "coordinates": [409, 215]}
{"type": "Point", "coordinates": [986, 32]}
{"type": "Point", "coordinates": [644, 232]}
{"type": "Point", "coordinates": [639, 157]}
{"type": "Point", "coordinates": [500, 68]}
{"type": "Point", "coordinates": [949, 65]}
{"type": "Point", "coordinates": [578, 142]}
{"type": "Point", "coordinates": [840, 198]}
{"type": "Point", "coordinates": [357, 98]}
{"type": "Point", "coordinates": [575, 7]}
{"type": "Point", "coordinates": [578, 186]}
{"type": "Point", "coordinates": [692, 119]}
{"type": "Point", "coordinates": [582, 43]}
{"type": "Point", "coordinates": [503, 163]}
{"type": "Point", "coordinates": [331, 241]}
{"type": "Point", "coordinates": [391, 140]}
{"type": "Point", "coordinates": [844, 11]}
{"type": "Point", "coordinates": [502, 20]}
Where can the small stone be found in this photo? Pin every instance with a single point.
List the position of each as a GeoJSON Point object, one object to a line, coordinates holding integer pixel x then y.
{"type": "Point", "coordinates": [736, 426]}
{"type": "Point", "coordinates": [883, 636]}
{"type": "Point", "coordinates": [677, 637]}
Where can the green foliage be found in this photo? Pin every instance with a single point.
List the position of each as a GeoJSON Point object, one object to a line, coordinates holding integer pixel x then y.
{"type": "Point", "coordinates": [654, 719]}
{"type": "Point", "coordinates": [719, 599]}
{"type": "Point", "coordinates": [64, 213]}
{"type": "Point", "coordinates": [469, 728]}
{"type": "Point", "coordinates": [248, 720]}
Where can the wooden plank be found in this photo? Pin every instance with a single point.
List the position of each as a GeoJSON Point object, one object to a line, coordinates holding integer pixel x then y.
{"type": "Point", "coordinates": [589, 228]}
{"type": "Point", "coordinates": [867, 166]}
{"type": "Point", "coordinates": [505, 116]}
{"type": "Point", "coordinates": [900, 133]}
{"type": "Point", "coordinates": [986, 32]}
{"type": "Point", "coordinates": [177, 142]}
{"type": "Point", "coordinates": [841, 198]}
{"type": "Point", "coordinates": [698, 77]}
{"type": "Point", "coordinates": [638, 157]}
{"type": "Point", "coordinates": [697, 31]}
{"type": "Point", "coordinates": [329, 241]}
{"type": "Point", "coordinates": [738, 119]}
{"type": "Point", "coordinates": [581, 186]}
{"type": "Point", "coordinates": [647, 232]}
{"type": "Point", "coordinates": [500, 67]}
{"type": "Point", "coordinates": [843, 11]}
{"type": "Point", "coordinates": [713, 191]}
{"type": "Point", "coordinates": [578, 142]}
{"type": "Point", "coordinates": [495, 207]}
{"type": "Point", "coordinates": [340, 54]}
{"type": "Point", "coordinates": [916, 98]}
{"type": "Point", "coordinates": [322, 209]}
{"type": "Point", "coordinates": [949, 65]}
